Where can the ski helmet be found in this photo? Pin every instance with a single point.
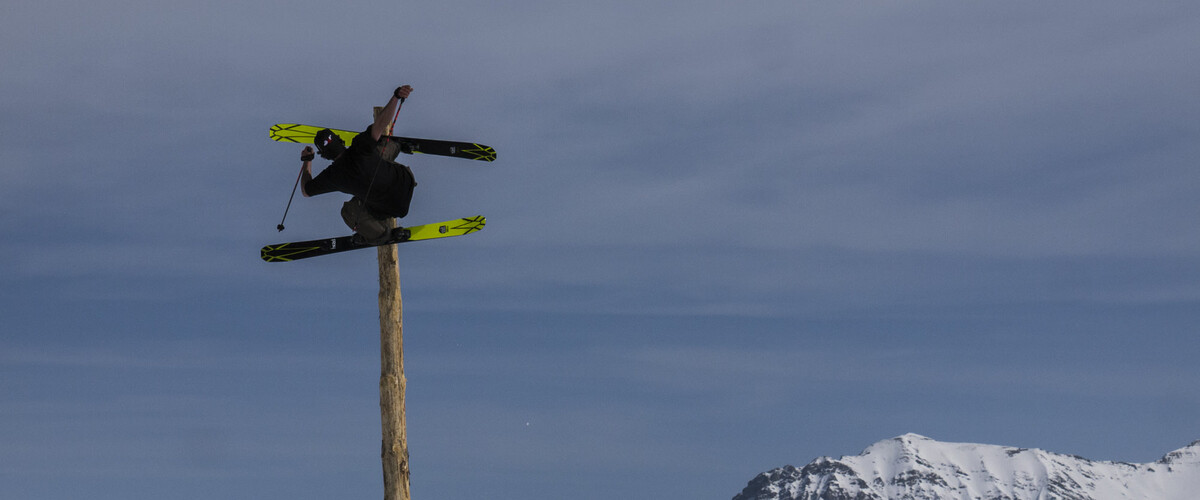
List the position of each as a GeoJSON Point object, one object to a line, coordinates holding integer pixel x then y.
{"type": "Point", "coordinates": [329, 145]}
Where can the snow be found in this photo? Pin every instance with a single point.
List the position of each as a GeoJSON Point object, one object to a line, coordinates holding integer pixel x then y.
{"type": "Point", "coordinates": [912, 466]}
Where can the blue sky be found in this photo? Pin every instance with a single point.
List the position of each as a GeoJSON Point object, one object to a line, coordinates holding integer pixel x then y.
{"type": "Point", "coordinates": [722, 237]}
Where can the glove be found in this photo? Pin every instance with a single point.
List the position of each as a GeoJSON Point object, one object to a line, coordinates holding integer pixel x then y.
{"type": "Point", "coordinates": [307, 154]}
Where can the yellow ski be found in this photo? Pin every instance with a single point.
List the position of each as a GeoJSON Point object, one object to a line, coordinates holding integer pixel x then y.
{"type": "Point", "coordinates": [286, 252]}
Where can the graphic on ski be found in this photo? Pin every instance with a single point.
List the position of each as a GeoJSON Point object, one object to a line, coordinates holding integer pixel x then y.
{"type": "Point", "coordinates": [286, 252]}
{"type": "Point", "coordinates": [304, 134]}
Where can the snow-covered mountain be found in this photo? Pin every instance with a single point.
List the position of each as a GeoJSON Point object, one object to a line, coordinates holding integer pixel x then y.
{"type": "Point", "coordinates": [916, 467]}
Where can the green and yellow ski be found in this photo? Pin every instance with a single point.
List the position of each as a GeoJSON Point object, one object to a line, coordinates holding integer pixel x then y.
{"type": "Point", "coordinates": [287, 252]}
{"type": "Point", "coordinates": [304, 134]}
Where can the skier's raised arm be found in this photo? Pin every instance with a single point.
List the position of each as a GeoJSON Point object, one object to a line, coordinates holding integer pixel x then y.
{"type": "Point", "coordinates": [306, 156]}
{"type": "Point", "coordinates": [383, 121]}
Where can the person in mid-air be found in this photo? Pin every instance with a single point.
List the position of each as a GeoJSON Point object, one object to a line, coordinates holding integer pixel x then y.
{"type": "Point", "coordinates": [381, 188]}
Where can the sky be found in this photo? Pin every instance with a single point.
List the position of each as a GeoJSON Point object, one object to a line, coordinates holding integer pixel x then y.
{"type": "Point", "coordinates": [722, 237]}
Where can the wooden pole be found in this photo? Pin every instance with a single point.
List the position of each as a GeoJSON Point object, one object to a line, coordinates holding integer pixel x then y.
{"type": "Point", "coordinates": [392, 383]}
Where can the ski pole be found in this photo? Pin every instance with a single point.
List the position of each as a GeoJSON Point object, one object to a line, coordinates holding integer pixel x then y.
{"type": "Point", "coordinates": [289, 204]}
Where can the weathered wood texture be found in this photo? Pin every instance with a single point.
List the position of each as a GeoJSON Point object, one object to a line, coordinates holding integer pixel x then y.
{"type": "Point", "coordinates": [392, 383]}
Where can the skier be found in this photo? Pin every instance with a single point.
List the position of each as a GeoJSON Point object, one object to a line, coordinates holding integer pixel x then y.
{"type": "Point", "coordinates": [381, 188]}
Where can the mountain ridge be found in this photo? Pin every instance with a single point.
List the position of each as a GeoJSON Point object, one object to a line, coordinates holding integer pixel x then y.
{"type": "Point", "coordinates": [912, 466]}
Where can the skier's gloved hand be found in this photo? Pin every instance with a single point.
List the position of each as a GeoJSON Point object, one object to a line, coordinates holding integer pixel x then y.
{"type": "Point", "coordinates": [307, 154]}
{"type": "Point", "coordinates": [402, 92]}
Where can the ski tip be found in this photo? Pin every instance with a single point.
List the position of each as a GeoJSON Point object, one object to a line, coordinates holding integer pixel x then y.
{"type": "Point", "coordinates": [482, 153]}
{"type": "Point", "coordinates": [465, 225]}
{"type": "Point", "coordinates": [267, 254]}
{"type": "Point", "coordinates": [284, 132]}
